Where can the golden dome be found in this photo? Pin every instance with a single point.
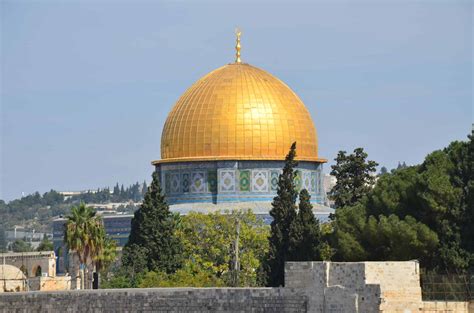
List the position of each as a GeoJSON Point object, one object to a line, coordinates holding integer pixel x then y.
{"type": "Point", "coordinates": [238, 112]}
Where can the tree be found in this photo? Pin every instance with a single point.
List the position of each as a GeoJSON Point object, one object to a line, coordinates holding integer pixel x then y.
{"type": "Point", "coordinates": [52, 197]}
{"type": "Point", "coordinates": [103, 256]}
{"type": "Point", "coordinates": [467, 216]}
{"type": "Point", "coordinates": [358, 237]}
{"type": "Point", "coordinates": [3, 240]}
{"type": "Point", "coordinates": [208, 241]}
{"type": "Point", "coordinates": [153, 234]}
{"type": "Point", "coordinates": [401, 166]}
{"type": "Point", "coordinates": [83, 234]}
{"type": "Point", "coordinates": [283, 213]}
{"type": "Point", "coordinates": [106, 255]}
{"type": "Point", "coordinates": [305, 234]}
{"type": "Point", "coordinates": [184, 277]}
{"type": "Point", "coordinates": [383, 170]}
{"type": "Point", "coordinates": [122, 193]}
{"type": "Point", "coordinates": [20, 245]}
{"type": "Point", "coordinates": [116, 191]}
{"type": "Point", "coordinates": [45, 245]}
{"type": "Point", "coordinates": [354, 176]}
{"type": "Point", "coordinates": [430, 205]}
{"type": "Point", "coordinates": [144, 189]}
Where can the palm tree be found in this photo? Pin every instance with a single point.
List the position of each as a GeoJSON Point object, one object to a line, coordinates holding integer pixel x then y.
{"type": "Point", "coordinates": [82, 234]}
{"type": "Point", "coordinates": [105, 255]}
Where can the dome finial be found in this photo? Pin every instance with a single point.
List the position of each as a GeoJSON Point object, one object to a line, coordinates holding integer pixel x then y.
{"type": "Point", "coordinates": [237, 46]}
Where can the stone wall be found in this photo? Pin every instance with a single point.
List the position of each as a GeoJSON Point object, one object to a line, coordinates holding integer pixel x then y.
{"type": "Point", "coordinates": [357, 286]}
{"type": "Point", "coordinates": [12, 285]}
{"type": "Point", "coordinates": [50, 283]}
{"type": "Point", "coordinates": [447, 307]}
{"type": "Point", "coordinates": [399, 282]}
{"type": "Point", "coordinates": [313, 287]}
{"type": "Point", "coordinates": [183, 300]}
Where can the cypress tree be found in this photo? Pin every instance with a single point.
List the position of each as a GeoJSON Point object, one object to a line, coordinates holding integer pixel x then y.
{"type": "Point", "coordinates": [152, 235]}
{"type": "Point", "coordinates": [116, 190]}
{"type": "Point", "coordinates": [122, 193]}
{"type": "Point", "coordinates": [144, 189]}
{"type": "Point", "coordinates": [305, 234]}
{"type": "Point", "coordinates": [283, 213]}
{"type": "Point", "coordinates": [3, 240]}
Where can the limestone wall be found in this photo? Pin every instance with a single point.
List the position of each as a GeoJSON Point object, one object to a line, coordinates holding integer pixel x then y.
{"type": "Point", "coordinates": [313, 287]}
{"type": "Point", "coordinates": [388, 287]}
{"type": "Point", "coordinates": [334, 287]}
{"type": "Point", "coordinates": [447, 307]}
{"type": "Point", "coordinates": [12, 285]}
{"type": "Point", "coordinates": [399, 282]}
{"type": "Point", "coordinates": [32, 262]}
{"type": "Point", "coordinates": [57, 283]}
{"type": "Point", "coordinates": [184, 300]}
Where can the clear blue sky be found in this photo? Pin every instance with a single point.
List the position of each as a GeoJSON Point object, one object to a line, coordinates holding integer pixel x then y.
{"type": "Point", "coordinates": [86, 85]}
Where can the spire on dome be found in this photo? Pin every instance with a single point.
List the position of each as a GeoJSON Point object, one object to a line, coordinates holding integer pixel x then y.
{"type": "Point", "coordinates": [237, 46]}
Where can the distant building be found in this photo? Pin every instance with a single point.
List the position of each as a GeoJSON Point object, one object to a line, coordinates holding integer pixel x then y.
{"type": "Point", "coordinates": [113, 205]}
{"type": "Point", "coordinates": [30, 236]}
{"type": "Point", "coordinates": [31, 271]}
{"type": "Point", "coordinates": [69, 194]}
{"type": "Point", "coordinates": [32, 264]}
{"type": "Point", "coordinates": [329, 182]}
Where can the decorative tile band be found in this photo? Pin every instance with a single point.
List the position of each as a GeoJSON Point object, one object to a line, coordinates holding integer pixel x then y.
{"type": "Point", "coordinates": [209, 181]}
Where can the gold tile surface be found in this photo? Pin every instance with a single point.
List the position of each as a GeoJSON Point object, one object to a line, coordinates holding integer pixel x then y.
{"type": "Point", "coordinates": [238, 112]}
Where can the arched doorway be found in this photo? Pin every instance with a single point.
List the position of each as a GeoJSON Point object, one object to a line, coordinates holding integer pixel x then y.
{"type": "Point", "coordinates": [37, 271]}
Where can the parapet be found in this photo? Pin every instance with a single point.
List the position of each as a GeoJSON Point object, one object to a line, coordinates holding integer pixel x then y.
{"type": "Point", "coordinates": [357, 286]}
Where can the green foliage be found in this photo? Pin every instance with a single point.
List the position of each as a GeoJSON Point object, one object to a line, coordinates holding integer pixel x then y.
{"type": "Point", "coordinates": [33, 211]}
{"type": "Point", "coordinates": [283, 213]}
{"type": "Point", "coordinates": [153, 244]}
{"type": "Point", "coordinates": [359, 237]}
{"type": "Point", "coordinates": [135, 260]}
{"type": "Point", "coordinates": [36, 211]}
{"type": "Point", "coordinates": [305, 234]}
{"type": "Point", "coordinates": [208, 245]}
{"type": "Point", "coordinates": [421, 212]}
{"type": "Point", "coordinates": [3, 239]}
{"type": "Point", "coordinates": [20, 245]}
{"type": "Point", "coordinates": [354, 176]}
{"type": "Point", "coordinates": [120, 279]}
{"type": "Point", "coordinates": [184, 277]}
{"type": "Point", "coordinates": [467, 216]}
{"type": "Point", "coordinates": [45, 245]}
{"type": "Point", "coordinates": [134, 192]}
{"type": "Point", "coordinates": [106, 254]}
{"type": "Point", "coordinates": [207, 250]}
{"type": "Point", "coordinates": [83, 232]}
